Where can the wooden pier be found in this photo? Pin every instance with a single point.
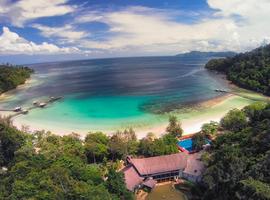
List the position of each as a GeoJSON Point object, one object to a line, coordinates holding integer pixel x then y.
{"type": "Point", "coordinates": [36, 104]}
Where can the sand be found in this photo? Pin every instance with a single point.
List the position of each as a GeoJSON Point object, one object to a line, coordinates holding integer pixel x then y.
{"type": "Point", "coordinates": [192, 117]}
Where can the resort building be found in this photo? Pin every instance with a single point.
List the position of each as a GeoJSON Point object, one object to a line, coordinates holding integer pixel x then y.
{"type": "Point", "coordinates": [148, 171]}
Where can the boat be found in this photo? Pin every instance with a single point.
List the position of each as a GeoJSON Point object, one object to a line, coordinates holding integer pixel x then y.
{"type": "Point", "coordinates": [17, 109]}
{"type": "Point", "coordinates": [42, 105]}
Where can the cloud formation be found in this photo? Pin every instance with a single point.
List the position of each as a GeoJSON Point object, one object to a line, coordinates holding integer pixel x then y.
{"type": "Point", "coordinates": [12, 43]}
{"type": "Point", "coordinates": [67, 32]}
{"type": "Point", "coordinates": [26, 10]}
{"type": "Point", "coordinates": [235, 25]}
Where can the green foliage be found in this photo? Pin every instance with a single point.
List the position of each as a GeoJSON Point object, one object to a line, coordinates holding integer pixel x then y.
{"type": "Point", "coordinates": [159, 146]}
{"type": "Point", "coordinates": [10, 141]}
{"type": "Point", "coordinates": [96, 145]}
{"type": "Point", "coordinates": [210, 128]}
{"type": "Point", "coordinates": [250, 70]}
{"type": "Point", "coordinates": [238, 165]}
{"type": "Point", "coordinates": [174, 127]}
{"type": "Point", "coordinates": [198, 140]}
{"type": "Point", "coordinates": [235, 120]}
{"type": "Point", "coordinates": [123, 143]}
{"type": "Point", "coordinates": [47, 166]}
{"type": "Point", "coordinates": [253, 188]}
{"type": "Point", "coordinates": [116, 185]}
{"type": "Point", "coordinates": [12, 76]}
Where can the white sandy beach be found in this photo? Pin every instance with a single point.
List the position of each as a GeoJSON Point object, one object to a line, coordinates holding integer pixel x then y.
{"type": "Point", "coordinates": [192, 120]}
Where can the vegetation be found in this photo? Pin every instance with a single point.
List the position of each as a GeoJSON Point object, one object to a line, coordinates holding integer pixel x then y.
{"type": "Point", "coordinates": [210, 128]}
{"type": "Point", "coordinates": [198, 140]}
{"type": "Point", "coordinates": [249, 70]}
{"type": "Point", "coordinates": [46, 166]}
{"type": "Point", "coordinates": [238, 165]}
{"type": "Point", "coordinates": [12, 76]}
{"type": "Point", "coordinates": [159, 146]}
{"type": "Point", "coordinates": [174, 127]}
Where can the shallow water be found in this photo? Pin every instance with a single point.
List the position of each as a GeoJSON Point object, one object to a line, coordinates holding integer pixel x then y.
{"type": "Point", "coordinates": [109, 94]}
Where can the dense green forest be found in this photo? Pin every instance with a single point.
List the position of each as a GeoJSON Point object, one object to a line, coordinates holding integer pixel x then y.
{"type": "Point", "coordinates": [249, 70]}
{"type": "Point", "coordinates": [47, 166]}
{"type": "Point", "coordinates": [12, 76]}
{"type": "Point", "coordinates": [238, 164]}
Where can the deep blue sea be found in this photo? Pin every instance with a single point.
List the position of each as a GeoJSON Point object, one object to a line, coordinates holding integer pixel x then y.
{"type": "Point", "coordinates": [116, 92]}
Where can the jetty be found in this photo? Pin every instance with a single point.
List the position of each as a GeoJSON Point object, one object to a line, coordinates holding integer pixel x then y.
{"type": "Point", "coordinates": [36, 104]}
{"type": "Point", "coordinates": [223, 91]}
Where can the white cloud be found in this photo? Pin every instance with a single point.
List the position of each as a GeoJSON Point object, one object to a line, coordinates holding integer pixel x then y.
{"type": "Point", "coordinates": [235, 25]}
{"type": "Point", "coordinates": [24, 10]}
{"type": "Point", "coordinates": [67, 32]}
{"type": "Point", "coordinates": [12, 43]}
{"type": "Point", "coordinates": [143, 28]}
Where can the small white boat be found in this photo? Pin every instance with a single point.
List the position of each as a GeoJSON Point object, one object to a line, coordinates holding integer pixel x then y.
{"type": "Point", "coordinates": [17, 109]}
{"type": "Point", "coordinates": [42, 105]}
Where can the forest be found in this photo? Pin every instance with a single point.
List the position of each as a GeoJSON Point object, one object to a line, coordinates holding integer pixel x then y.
{"type": "Point", "coordinates": [43, 165]}
{"type": "Point", "coordinates": [250, 70]}
{"type": "Point", "coordinates": [11, 76]}
{"type": "Point", "coordinates": [238, 164]}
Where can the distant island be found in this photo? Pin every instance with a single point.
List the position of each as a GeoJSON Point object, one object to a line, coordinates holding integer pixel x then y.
{"type": "Point", "coordinates": [207, 54]}
{"type": "Point", "coordinates": [11, 76]}
{"type": "Point", "coordinates": [250, 70]}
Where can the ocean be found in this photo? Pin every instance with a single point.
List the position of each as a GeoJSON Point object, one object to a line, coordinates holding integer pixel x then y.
{"type": "Point", "coordinates": [116, 93]}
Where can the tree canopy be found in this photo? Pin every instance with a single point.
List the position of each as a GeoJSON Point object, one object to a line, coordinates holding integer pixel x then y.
{"type": "Point", "coordinates": [238, 165]}
{"type": "Point", "coordinates": [250, 70]}
{"type": "Point", "coordinates": [174, 128]}
{"type": "Point", "coordinates": [12, 76]}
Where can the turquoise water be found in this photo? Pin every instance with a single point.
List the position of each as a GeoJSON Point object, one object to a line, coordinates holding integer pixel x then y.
{"type": "Point", "coordinates": [110, 94]}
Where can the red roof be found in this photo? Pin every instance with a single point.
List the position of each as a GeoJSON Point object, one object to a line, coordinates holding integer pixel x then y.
{"type": "Point", "coordinates": [132, 178]}
{"type": "Point", "coordinates": [194, 165]}
{"type": "Point", "coordinates": [160, 164]}
{"type": "Point", "coordinates": [151, 183]}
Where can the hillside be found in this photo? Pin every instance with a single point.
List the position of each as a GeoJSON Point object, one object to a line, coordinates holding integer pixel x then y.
{"type": "Point", "coordinates": [207, 54]}
{"type": "Point", "coordinates": [250, 70]}
{"type": "Point", "coordinates": [238, 165]}
{"type": "Point", "coordinates": [12, 76]}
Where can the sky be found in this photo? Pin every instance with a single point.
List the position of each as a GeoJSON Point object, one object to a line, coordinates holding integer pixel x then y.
{"type": "Point", "coordinates": [51, 30]}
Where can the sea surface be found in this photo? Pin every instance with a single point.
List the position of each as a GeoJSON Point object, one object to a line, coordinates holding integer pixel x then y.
{"type": "Point", "coordinates": [110, 94]}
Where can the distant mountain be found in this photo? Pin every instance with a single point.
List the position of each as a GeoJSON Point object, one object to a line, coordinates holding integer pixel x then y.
{"type": "Point", "coordinates": [207, 54]}
{"type": "Point", "coordinates": [249, 70]}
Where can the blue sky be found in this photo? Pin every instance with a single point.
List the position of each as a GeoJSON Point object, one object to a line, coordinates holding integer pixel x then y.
{"type": "Point", "coordinates": [48, 30]}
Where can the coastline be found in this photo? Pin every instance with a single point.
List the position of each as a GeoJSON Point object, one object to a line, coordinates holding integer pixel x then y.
{"type": "Point", "coordinates": [191, 118]}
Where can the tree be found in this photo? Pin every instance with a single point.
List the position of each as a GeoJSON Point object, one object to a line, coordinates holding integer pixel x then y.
{"type": "Point", "coordinates": [116, 185]}
{"type": "Point", "coordinates": [12, 76]}
{"type": "Point", "coordinates": [174, 127]}
{"type": "Point", "coordinates": [238, 163]}
{"type": "Point", "coordinates": [198, 140]}
{"type": "Point", "coordinates": [235, 120]}
{"type": "Point", "coordinates": [210, 128]}
{"type": "Point", "coordinates": [10, 141]}
{"type": "Point", "coordinates": [123, 143]}
{"type": "Point", "coordinates": [249, 70]}
{"type": "Point", "coordinates": [96, 146]}
{"type": "Point", "coordinates": [160, 146]}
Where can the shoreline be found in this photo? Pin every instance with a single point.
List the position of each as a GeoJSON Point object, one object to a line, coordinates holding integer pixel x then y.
{"type": "Point", "coordinates": [192, 116]}
{"type": "Point", "coordinates": [192, 119]}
